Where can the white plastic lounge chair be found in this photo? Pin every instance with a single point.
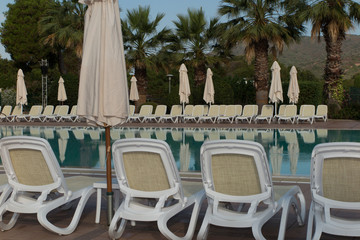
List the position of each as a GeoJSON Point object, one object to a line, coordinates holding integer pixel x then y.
{"type": "Point", "coordinates": [38, 185]}
{"type": "Point", "coordinates": [35, 111]}
{"type": "Point", "coordinates": [212, 114]}
{"type": "Point", "coordinates": [238, 110]}
{"type": "Point", "coordinates": [237, 180]}
{"type": "Point", "coordinates": [131, 112]}
{"type": "Point", "coordinates": [17, 111]}
{"type": "Point", "coordinates": [198, 111]}
{"type": "Point", "coordinates": [175, 112]}
{"type": "Point", "coordinates": [249, 113]}
{"type": "Point", "coordinates": [281, 112]}
{"type": "Point", "coordinates": [187, 111]}
{"type": "Point", "coordinates": [159, 180]}
{"type": "Point", "coordinates": [159, 111]}
{"type": "Point", "coordinates": [334, 185]}
{"type": "Point", "coordinates": [72, 116]}
{"type": "Point", "coordinates": [289, 114]}
{"type": "Point", "coordinates": [145, 110]}
{"type": "Point", "coordinates": [60, 110]}
{"type": "Point", "coordinates": [5, 188]}
{"type": "Point", "coordinates": [307, 113]}
{"type": "Point", "coordinates": [229, 114]}
{"type": "Point", "coordinates": [222, 109]}
{"type": "Point", "coordinates": [206, 109]}
{"type": "Point", "coordinates": [6, 111]}
{"type": "Point", "coordinates": [48, 110]}
{"type": "Point", "coordinates": [321, 112]}
{"type": "Point", "coordinates": [267, 113]}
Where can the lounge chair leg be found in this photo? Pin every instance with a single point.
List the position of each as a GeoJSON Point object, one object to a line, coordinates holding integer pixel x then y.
{"type": "Point", "coordinates": [204, 229]}
{"type": "Point", "coordinates": [42, 215]}
{"type": "Point", "coordinates": [113, 232]}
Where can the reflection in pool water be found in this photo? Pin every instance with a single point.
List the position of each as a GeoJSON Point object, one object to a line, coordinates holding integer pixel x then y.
{"type": "Point", "coordinates": [288, 151]}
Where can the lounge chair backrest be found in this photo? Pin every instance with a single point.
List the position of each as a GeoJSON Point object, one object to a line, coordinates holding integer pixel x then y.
{"type": "Point", "coordinates": [235, 168]}
{"type": "Point", "coordinates": [238, 109]}
{"type": "Point", "coordinates": [49, 109]}
{"type": "Point", "coordinates": [145, 110]}
{"type": "Point", "coordinates": [176, 110]}
{"type": "Point", "coordinates": [206, 109]}
{"type": "Point", "coordinates": [307, 110]}
{"type": "Point", "coordinates": [35, 110]}
{"type": "Point", "coordinates": [214, 111]}
{"type": "Point", "coordinates": [335, 171]}
{"type": "Point", "coordinates": [64, 110]}
{"type": "Point", "coordinates": [57, 109]}
{"type": "Point", "coordinates": [131, 110]}
{"type": "Point", "coordinates": [16, 111]}
{"type": "Point", "coordinates": [188, 110]}
{"type": "Point", "coordinates": [145, 165]}
{"type": "Point", "coordinates": [249, 110]}
{"type": "Point", "coordinates": [73, 111]}
{"type": "Point", "coordinates": [282, 110]}
{"type": "Point", "coordinates": [322, 110]}
{"type": "Point", "coordinates": [230, 110]}
{"type": "Point", "coordinates": [290, 110]}
{"type": "Point", "coordinates": [222, 110]}
{"type": "Point", "coordinates": [267, 111]}
{"type": "Point", "coordinates": [198, 111]}
{"type": "Point", "coordinates": [6, 110]}
{"type": "Point", "coordinates": [160, 110]}
{"type": "Point", "coordinates": [31, 164]}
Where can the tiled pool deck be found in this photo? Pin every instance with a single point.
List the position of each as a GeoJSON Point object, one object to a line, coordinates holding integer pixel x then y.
{"type": "Point", "coordinates": [28, 227]}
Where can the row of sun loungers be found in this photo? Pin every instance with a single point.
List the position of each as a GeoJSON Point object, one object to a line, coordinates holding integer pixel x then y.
{"type": "Point", "coordinates": [236, 181]}
{"type": "Point", "coordinates": [228, 113]}
{"type": "Point", "coordinates": [37, 113]}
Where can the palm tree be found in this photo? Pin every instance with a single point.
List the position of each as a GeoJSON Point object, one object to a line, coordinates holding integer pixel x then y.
{"type": "Point", "coordinates": [261, 25]}
{"type": "Point", "coordinates": [141, 41]}
{"type": "Point", "coordinates": [195, 39]}
{"type": "Point", "coordinates": [62, 27]}
{"type": "Point", "coordinates": [332, 19]}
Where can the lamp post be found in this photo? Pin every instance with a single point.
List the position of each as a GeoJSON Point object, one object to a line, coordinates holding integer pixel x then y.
{"type": "Point", "coordinates": [169, 76]}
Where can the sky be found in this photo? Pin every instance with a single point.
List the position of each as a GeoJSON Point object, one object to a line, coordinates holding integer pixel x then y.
{"type": "Point", "coordinates": [169, 7]}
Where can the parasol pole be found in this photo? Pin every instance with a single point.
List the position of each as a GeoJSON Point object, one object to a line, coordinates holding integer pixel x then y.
{"type": "Point", "coordinates": [109, 192]}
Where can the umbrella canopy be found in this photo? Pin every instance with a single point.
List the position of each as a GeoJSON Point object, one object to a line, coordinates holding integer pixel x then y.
{"type": "Point", "coordinates": [209, 91]}
{"type": "Point", "coordinates": [134, 94]}
{"type": "Point", "coordinates": [276, 92]}
{"type": "Point", "coordinates": [21, 93]}
{"type": "Point", "coordinates": [103, 90]}
{"type": "Point", "coordinates": [293, 91]}
{"type": "Point", "coordinates": [184, 88]}
{"type": "Point", "coordinates": [61, 91]}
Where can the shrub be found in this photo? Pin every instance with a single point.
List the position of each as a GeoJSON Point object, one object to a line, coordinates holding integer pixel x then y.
{"type": "Point", "coordinates": [8, 97]}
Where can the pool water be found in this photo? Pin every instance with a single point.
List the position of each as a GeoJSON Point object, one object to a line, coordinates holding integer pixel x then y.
{"type": "Point", "coordinates": [288, 151]}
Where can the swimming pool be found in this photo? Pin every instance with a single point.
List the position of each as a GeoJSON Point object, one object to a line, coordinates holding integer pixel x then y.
{"type": "Point", "coordinates": [288, 151]}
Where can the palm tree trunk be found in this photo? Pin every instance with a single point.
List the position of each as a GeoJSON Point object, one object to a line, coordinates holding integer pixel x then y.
{"type": "Point", "coordinates": [200, 75]}
{"type": "Point", "coordinates": [332, 69]}
{"type": "Point", "coordinates": [61, 64]}
{"type": "Point", "coordinates": [140, 74]}
{"type": "Point", "coordinates": [261, 72]}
